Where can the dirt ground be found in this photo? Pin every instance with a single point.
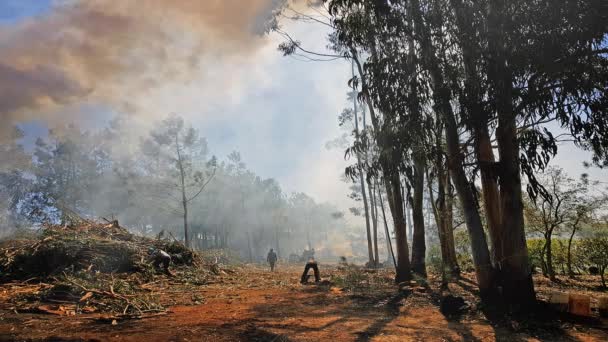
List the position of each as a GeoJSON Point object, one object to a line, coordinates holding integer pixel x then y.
{"type": "Point", "coordinates": [256, 305]}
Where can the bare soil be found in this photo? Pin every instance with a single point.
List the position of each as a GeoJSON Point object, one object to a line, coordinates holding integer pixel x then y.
{"type": "Point", "coordinates": [256, 305]}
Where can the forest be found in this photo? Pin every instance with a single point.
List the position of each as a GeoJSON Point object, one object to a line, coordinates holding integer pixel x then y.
{"type": "Point", "coordinates": [469, 97]}
{"type": "Point", "coordinates": [167, 182]}
{"type": "Point", "coordinates": [473, 147]}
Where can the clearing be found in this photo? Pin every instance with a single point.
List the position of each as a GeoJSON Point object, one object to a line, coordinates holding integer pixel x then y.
{"type": "Point", "coordinates": [252, 304]}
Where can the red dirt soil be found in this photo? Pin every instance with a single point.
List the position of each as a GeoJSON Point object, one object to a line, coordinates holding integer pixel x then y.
{"type": "Point", "coordinates": [260, 306]}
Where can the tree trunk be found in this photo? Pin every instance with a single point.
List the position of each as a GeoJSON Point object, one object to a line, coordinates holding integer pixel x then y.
{"type": "Point", "coordinates": [408, 216]}
{"type": "Point", "coordinates": [393, 191]}
{"type": "Point", "coordinates": [439, 209]}
{"type": "Point", "coordinates": [543, 264]}
{"type": "Point", "coordinates": [370, 249]}
{"type": "Point", "coordinates": [517, 280]}
{"type": "Point", "coordinates": [491, 195]}
{"type": "Point", "coordinates": [481, 255]}
{"type": "Point", "coordinates": [418, 243]}
{"type": "Point", "coordinates": [479, 119]}
{"type": "Point", "coordinates": [389, 244]}
{"type": "Point", "coordinates": [549, 256]}
{"type": "Point", "coordinates": [374, 213]}
{"type": "Point", "coordinates": [569, 257]}
{"type": "Point", "coordinates": [441, 95]}
{"type": "Point", "coordinates": [183, 190]}
{"type": "Point", "coordinates": [449, 226]}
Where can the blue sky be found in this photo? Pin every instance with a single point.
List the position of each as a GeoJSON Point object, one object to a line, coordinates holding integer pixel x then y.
{"type": "Point", "coordinates": [14, 10]}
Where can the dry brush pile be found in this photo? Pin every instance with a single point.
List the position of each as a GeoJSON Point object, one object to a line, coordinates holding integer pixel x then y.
{"type": "Point", "coordinates": [94, 268]}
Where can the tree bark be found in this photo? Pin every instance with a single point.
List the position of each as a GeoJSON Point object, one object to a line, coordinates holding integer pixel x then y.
{"type": "Point", "coordinates": [491, 195]}
{"type": "Point", "coordinates": [479, 119]}
{"type": "Point", "coordinates": [370, 248]}
{"type": "Point", "coordinates": [418, 242]}
{"type": "Point", "coordinates": [449, 225]}
{"type": "Point", "coordinates": [374, 213]}
{"type": "Point", "coordinates": [441, 95]}
{"type": "Point", "coordinates": [516, 275]}
{"type": "Point", "coordinates": [569, 256]}
{"type": "Point", "coordinates": [182, 177]}
{"type": "Point", "coordinates": [393, 191]}
{"type": "Point", "coordinates": [549, 254]}
{"type": "Point", "coordinates": [444, 230]}
{"type": "Point", "coordinates": [389, 244]}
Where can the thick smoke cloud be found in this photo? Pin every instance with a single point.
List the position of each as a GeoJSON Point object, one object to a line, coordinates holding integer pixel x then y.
{"type": "Point", "coordinates": [104, 51]}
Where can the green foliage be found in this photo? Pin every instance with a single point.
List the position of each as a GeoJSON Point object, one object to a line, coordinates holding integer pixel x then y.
{"type": "Point", "coordinates": [353, 279]}
{"type": "Point", "coordinates": [594, 250]}
{"type": "Point", "coordinates": [462, 243]}
{"type": "Point", "coordinates": [433, 258]}
{"type": "Point", "coordinates": [536, 253]}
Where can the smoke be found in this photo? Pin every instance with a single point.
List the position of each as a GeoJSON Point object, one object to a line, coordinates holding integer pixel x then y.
{"type": "Point", "coordinates": [105, 51]}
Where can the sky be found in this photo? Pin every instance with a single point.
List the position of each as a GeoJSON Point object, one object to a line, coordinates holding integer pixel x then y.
{"type": "Point", "coordinates": [278, 112]}
{"type": "Point", "coordinates": [231, 84]}
{"type": "Point", "coordinates": [14, 10]}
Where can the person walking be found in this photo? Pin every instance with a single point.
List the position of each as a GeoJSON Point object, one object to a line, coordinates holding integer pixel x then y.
{"type": "Point", "coordinates": [272, 259]}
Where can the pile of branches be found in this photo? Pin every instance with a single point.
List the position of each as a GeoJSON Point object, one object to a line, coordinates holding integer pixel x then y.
{"type": "Point", "coordinates": [106, 248]}
{"type": "Point", "coordinates": [93, 268]}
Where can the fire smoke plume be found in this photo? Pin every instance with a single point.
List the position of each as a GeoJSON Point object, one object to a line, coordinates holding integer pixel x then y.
{"type": "Point", "coordinates": [104, 50]}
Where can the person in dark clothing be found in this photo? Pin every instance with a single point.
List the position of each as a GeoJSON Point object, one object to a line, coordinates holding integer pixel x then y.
{"type": "Point", "coordinates": [272, 259]}
{"type": "Point", "coordinates": [160, 257]}
{"type": "Point", "coordinates": [310, 264]}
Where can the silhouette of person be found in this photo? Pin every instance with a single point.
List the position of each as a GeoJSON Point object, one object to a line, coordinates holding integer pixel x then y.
{"type": "Point", "coordinates": [311, 263]}
{"type": "Point", "coordinates": [272, 259]}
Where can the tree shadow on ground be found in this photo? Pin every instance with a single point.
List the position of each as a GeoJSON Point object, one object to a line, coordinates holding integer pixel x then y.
{"type": "Point", "coordinates": [379, 308]}
{"type": "Point", "coordinates": [391, 312]}
{"type": "Point", "coordinates": [256, 334]}
{"type": "Point", "coordinates": [541, 322]}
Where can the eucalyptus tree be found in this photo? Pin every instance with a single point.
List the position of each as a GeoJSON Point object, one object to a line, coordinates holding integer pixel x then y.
{"type": "Point", "coordinates": [480, 58]}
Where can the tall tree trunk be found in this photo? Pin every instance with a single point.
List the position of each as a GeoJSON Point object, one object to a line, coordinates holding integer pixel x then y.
{"type": "Point", "coordinates": [441, 95]}
{"type": "Point", "coordinates": [182, 176]}
{"type": "Point", "coordinates": [516, 275]}
{"type": "Point", "coordinates": [481, 255]}
{"type": "Point", "coordinates": [389, 244]}
{"type": "Point", "coordinates": [549, 255]}
{"type": "Point", "coordinates": [418, 243]}
{"type": "Point", "coordinates": [491, 195]}
{"type": "Point", "coordinates": [479, 119]}
{"type": "Point", "coordinates": [569, 257]}
{"type": "Point", "coordinates": [449, 225]}
{"type": "Point", "coordinates": [408, 214]}
{"type": "Point", "coordinates": [370, 249]}
{"type": "Point", "coordinates": [549, 258]}
{"type": "Point", "coordinates": [374, 213]}
{"type": "Point", "coordinates": [439, 208]}
{"type": "Point", "coordinates": [393, 191]}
